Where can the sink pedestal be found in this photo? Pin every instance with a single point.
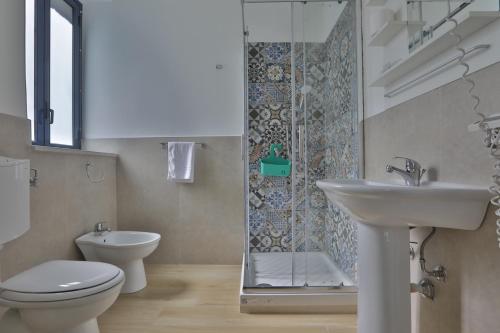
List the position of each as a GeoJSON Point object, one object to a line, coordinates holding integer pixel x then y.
{"type": "Point", "coordinates": [383, 279]}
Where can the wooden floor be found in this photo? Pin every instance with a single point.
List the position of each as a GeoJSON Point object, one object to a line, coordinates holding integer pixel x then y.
{"type": "Point", "coordinates": [196, 298]}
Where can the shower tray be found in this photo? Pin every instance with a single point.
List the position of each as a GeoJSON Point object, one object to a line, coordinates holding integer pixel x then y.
{"type": "Point", "coordinates": [275, 292]}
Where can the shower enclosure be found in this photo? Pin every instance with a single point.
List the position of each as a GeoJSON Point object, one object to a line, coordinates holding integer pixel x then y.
{"type": "Point", "coordinates": [302, 82]}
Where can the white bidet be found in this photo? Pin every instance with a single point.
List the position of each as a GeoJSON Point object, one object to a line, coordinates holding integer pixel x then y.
{"type": "Point", "coordinates": [125, 249]}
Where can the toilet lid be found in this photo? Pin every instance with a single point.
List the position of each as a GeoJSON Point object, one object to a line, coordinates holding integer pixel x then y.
{"type": "Point", "coordinates": [61, 276]}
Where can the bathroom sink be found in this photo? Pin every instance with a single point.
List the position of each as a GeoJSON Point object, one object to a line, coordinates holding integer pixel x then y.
{"type": "Point", "coordinates": [432, 204]}
{"type": "Point", "coordinates": [383, 213]}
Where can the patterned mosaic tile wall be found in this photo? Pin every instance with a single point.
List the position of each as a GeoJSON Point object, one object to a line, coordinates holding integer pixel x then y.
{"type": "Point", "coordinates": [270, 121]}
{"type": "Point", "coordinates": [310, 119]}
{"type": "Point", "coordinates": [269, 75]}
{"type": "Point", "coordinates": [331, 140]}
{"type": "Point", "coordinates": [341, 134]}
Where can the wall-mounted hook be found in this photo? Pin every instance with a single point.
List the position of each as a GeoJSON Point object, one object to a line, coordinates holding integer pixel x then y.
{"type": "Point", "coordinates": [91, 168]}
{"type": "Point", "coordinates": [33, 177]}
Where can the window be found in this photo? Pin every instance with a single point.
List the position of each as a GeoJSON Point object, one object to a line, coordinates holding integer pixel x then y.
{"type": "Point", "coordinates": [54, 71]}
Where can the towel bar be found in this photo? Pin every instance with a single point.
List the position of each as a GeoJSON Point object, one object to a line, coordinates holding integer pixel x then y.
{"type": "Point", "coordinates": [164, 145]}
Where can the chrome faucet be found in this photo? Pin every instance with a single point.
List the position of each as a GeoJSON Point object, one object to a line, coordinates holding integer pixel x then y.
{"type": "Point", "coordinates": [412, 174]}
{"type": "Point", "coordinates": [100, 228]}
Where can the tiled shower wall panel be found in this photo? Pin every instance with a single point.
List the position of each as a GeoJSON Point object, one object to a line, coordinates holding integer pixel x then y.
{"type": "Point", "coordinates": [270, 121]}
{"type": "Point", "coordinates": [310, 121]}
{"type": "Point", "coordinates": [270, 198]}
{"type": "Point", "coordinates": [341, 134]}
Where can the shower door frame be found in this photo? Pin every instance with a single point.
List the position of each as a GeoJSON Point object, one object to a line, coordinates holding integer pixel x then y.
{"type": "Point", "coordinates": [249, 295]}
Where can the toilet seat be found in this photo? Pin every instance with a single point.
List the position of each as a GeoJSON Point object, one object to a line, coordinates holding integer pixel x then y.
{"type": "Point", "coordinates": [60, 280]}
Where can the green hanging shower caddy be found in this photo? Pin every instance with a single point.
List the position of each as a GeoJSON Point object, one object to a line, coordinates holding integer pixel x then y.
{"type": "Point", "coordinates": [274, 165]}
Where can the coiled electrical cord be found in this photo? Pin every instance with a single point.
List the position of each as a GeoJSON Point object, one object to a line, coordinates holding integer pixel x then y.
{"type": "Point", "coordinates": [492, 137]}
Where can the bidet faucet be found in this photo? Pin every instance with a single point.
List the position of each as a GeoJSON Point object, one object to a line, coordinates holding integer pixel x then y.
{"type": "Point", "coordinates": [412, 174]}
{"type": "Point", "coordinates": [100, 228]}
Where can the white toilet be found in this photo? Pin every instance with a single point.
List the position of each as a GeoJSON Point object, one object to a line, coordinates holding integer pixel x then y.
{"type": "Point", "coordinates": [56, 296]}
{"type": "Point", "coordinates": [61, 296]}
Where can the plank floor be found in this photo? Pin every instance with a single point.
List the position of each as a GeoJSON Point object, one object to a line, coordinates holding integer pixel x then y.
{"type": "Point", "coordinates": [204, 298]}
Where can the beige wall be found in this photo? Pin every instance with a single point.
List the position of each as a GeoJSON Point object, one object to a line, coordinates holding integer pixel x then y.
{"type": "Point", "coordinates": [432, 129]}
{"type": "Point", "coordinates": [200, 223]}
{"type": "Point", "coordinates": [64, 205]}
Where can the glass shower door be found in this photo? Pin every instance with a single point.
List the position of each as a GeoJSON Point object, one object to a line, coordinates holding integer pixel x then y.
{"type": "Point", "coordinates": [300, 223]}
{"type": "Point", "coordinates": [324, 125]}
{"type": "Point", "coordinates": [302, 95]}
{"type": "Point", "coordinates": [270, 207]}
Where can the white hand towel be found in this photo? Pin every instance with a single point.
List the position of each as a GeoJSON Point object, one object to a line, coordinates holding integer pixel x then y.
{"type": "Point", "coordinates": [181, 156]}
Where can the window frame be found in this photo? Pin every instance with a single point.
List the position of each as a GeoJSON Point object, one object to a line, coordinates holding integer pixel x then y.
{"type": "Point", "coordinates": [43, 114]}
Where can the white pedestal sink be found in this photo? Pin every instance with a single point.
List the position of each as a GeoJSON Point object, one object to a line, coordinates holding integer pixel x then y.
{"type": "Point", "coordinates": [384, 212]}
